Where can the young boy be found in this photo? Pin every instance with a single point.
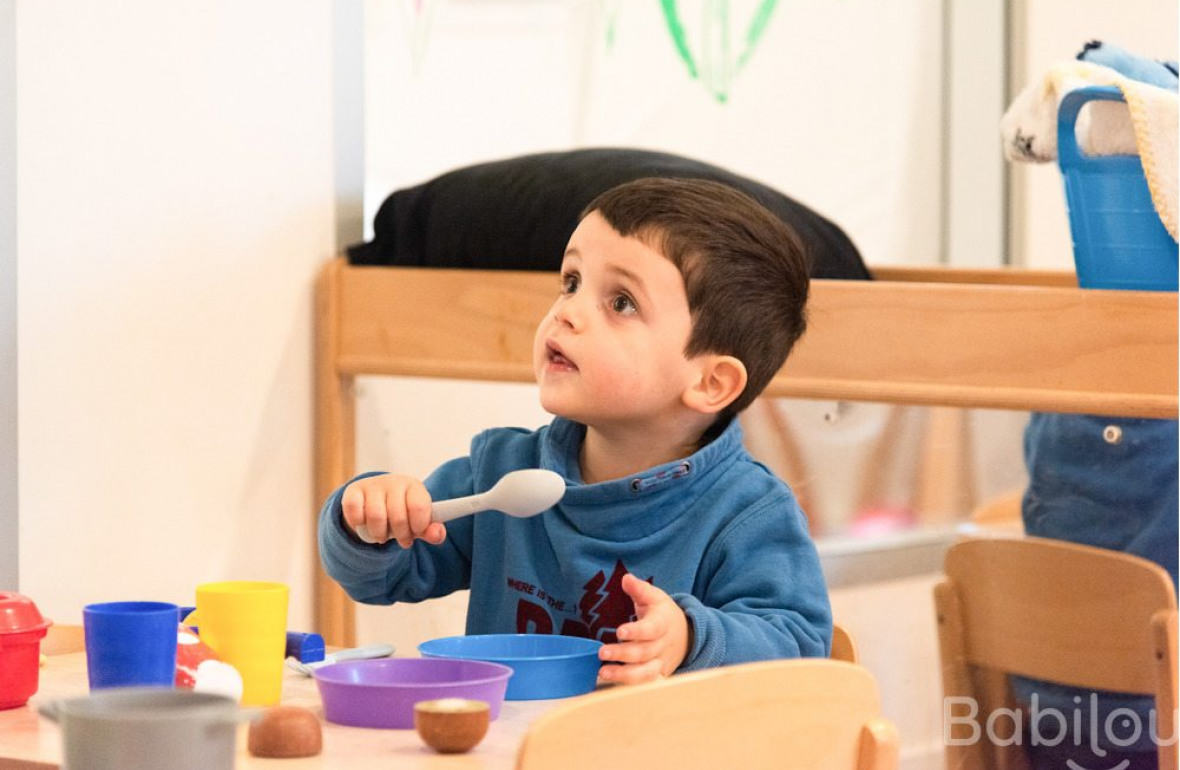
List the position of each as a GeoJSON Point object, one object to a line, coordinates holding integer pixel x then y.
{"type": "Point", "coordinates": [679, 301]}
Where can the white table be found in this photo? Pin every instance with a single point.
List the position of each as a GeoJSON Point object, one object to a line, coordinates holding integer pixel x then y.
{"type": "Point", "coordinates": [28, 741]}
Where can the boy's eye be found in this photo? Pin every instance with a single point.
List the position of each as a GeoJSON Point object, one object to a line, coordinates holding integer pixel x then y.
{"type": "Point", "coordinates": [623, 304]}
{"type": "Point", "coordinates": [569, 283]}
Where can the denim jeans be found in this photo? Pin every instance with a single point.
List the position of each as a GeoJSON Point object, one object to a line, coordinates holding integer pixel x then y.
{"type": "Point", "coordinates": [1108, 482]}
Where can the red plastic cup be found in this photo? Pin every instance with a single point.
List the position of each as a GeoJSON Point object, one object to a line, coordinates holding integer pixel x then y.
{"type": "Point", "coordinates": [21, 630]}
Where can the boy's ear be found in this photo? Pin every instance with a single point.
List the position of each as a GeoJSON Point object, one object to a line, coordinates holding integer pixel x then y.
{"type": "Point", "coordinates": [722, 379]}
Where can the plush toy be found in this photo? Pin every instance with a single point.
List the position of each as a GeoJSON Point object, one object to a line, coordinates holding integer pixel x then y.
{"type": "Point", "coordinates": [198, 668]}
{"type": "Point", "coordinates": [1163, 74]}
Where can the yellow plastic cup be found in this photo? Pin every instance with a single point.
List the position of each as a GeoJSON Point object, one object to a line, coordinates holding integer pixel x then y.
{"type": "Point", "coordinates": [245, 623]}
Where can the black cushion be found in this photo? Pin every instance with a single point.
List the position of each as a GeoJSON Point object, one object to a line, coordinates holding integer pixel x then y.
{"type": "Point", "coordinates": [518, 214]}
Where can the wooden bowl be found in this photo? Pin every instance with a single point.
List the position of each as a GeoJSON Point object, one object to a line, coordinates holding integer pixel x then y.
{"type": "Point", "coordinates": [452, 725]}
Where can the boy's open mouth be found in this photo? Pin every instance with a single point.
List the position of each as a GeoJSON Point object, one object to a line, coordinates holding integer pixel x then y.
{"type": "Point", "coordinates": [557, 358]}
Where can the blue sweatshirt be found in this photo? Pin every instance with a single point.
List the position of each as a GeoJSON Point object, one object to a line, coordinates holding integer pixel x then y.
{"type": "Point", "coordinates": [717, 531]}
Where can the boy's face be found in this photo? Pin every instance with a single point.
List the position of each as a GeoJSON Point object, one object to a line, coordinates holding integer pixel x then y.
{"type": "Point", "coordinates": [611, 349]}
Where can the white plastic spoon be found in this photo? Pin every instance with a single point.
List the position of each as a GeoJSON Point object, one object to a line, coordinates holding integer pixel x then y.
{"type": "Point", "coordinates": [367, 652]}
{"type": "Point", "coordinates": [520, 494]}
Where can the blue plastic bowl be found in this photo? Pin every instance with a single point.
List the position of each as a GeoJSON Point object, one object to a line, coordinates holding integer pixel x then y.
{"type": "Point", "coordinates": [544, 666]}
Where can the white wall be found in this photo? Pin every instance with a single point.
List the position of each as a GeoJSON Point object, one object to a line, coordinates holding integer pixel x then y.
{"type": "Point", "coordinates": [175, 197]}
{"type": "Point", "coordinates": [839, 104]}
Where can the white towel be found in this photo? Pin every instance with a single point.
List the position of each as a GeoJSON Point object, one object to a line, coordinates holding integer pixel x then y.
{"type": "Point", "coordinates": [1146, 126]}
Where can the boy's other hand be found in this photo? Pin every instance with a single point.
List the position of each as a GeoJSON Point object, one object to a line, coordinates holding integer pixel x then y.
{"type": "Point", "coordinates": [654, 644]}
{"type": "Point", "coordinates": [391, 508]}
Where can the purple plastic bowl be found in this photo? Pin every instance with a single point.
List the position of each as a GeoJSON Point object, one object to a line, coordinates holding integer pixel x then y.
{"type": "Point", "coordinates": [382, 693]}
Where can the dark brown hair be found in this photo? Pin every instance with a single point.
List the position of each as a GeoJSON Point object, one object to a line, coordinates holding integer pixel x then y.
{"type": "Point", "coordinates": [745, 271]}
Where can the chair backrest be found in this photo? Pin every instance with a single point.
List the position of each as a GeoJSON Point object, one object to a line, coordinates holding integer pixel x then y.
{"type": "Point", "coordinates": [806, 714]}
{"type": "Point", "coordinates": [1085, 617]}
{"type": "Point", "coordinates": [843, 645]}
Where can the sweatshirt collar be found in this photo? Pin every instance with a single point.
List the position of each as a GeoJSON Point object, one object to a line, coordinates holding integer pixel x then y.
{"type": "Point", "coordinates": [640, 503]}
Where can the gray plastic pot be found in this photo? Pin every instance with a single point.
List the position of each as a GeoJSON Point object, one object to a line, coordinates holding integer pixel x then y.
{"type": "Point", "coordinates": [147, 729]}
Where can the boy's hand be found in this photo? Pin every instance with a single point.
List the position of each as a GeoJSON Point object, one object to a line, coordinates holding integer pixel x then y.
{"type": "Point", "coordinates": [652, 646]}
{"type": "Point", "coordinates": [391, 508]}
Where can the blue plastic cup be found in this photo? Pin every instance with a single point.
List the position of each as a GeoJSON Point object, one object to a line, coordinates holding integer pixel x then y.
{"type": "Point", "coordinates": [130, 644]}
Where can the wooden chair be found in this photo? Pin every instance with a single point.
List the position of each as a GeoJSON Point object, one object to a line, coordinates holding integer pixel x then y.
{"type": "Point", "coordinates": [806, 714]}
{"type": "Point", "coordinates": [843, 645]}
{"type": "Point", "coordinates": [1085, 617]}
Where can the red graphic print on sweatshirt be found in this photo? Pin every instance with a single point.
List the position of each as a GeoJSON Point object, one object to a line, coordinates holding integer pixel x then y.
{"type": "Point", "coordinates": [604, 607]}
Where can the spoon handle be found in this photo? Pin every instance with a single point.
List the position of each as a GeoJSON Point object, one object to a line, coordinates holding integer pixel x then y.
{"type": "Point", "coordinates": [441, 511]}
{"type": "Point", "coordinates": [447, 510]}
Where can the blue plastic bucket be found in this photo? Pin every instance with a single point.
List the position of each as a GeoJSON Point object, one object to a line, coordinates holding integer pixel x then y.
{"type": "Point", "coordinates": [1119, 241]}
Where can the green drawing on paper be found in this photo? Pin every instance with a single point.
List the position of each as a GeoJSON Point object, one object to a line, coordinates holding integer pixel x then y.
{"type": "Point", "coordinates": [716, 67]}
{"type": "Point", "coordinates": [611, 11]}
{"type": "Point", "coordinates": [679, 39]}
{"type": "Point", "coordinates": [757, 26]}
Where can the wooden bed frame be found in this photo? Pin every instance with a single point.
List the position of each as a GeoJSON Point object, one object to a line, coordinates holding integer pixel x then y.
{"type": "Point", "coordinates": [1006, 339]}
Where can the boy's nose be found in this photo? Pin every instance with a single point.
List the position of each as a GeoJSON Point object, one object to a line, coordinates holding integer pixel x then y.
{"type": "Point", "coordinates": [570, 312]}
